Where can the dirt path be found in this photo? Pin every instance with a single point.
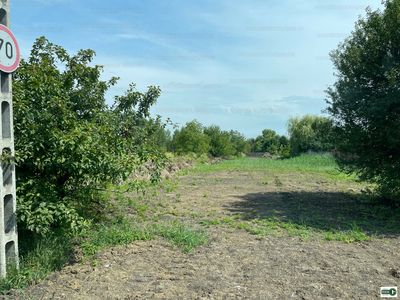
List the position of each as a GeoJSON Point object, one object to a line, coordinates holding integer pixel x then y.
{"type": "Point", "coordinates": [235, 264]}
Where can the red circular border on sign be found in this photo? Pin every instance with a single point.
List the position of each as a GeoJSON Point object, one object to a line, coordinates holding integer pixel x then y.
{"type": "Point", "coordinates": [16, 63]}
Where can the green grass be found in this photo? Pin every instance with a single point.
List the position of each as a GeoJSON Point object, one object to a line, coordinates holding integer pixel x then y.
{"type": "Point", "coordinates": [38, 257]}
{"type": "Point", "coordinates": [304, 163]}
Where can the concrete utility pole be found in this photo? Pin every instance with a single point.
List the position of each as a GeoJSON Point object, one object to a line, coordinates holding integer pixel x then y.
{"type": "Point", "coordinates": [9, 60]}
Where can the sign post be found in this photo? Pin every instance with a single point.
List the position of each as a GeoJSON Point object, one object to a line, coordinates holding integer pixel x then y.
{"type": "Point", "coordinates": [9, 60]}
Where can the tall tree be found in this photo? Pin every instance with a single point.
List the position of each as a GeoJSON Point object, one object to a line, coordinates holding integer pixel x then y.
{"type": "Point", "coordinates": [366, 102]}
{"type": "Point", "coordinates": [250, 145]}
{"type": "Point", "coordinates": [160, 137]}
{"type": "Point", "coordinates": [219, 141]}
{"type": "Point", "coordinates": [267, 142]}
{"type": "Point", "coordinates": [175, 139]}
{"type": "Point", "coordinates": [191, 138]}
{"type": "Point", "coordinates": [283, 140]}
{"type": "Point", "coordinates": [238, 142]}
{"type": "Point", "coordinates": [310, 132]}
{"type": "Point", "coordinates": [169, 141]}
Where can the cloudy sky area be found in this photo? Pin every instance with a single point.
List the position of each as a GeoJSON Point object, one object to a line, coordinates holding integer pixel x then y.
{"type": "Point", "coordinates": [241, 65]}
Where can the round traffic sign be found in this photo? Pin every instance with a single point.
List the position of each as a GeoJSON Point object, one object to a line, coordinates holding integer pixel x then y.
{"type": "Point", "coordinates": [9, 50]}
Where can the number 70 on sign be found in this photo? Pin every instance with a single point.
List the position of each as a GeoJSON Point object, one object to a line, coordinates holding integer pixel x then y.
{"type": "Point", "coordinates": [9, 50]}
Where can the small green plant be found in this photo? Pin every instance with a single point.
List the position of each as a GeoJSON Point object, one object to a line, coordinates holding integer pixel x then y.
{"type": "Point", "coordinates": [129, 201]}
{"type": "Point", "coordinates": [155, 193]}
{"type": "Point", "coordinates": [212, 212]}
{"type": "Point", "coordinates": [120, 197]}
{"type": "Point", "coordinates": [248, 216]}
{"type": "Point", "coordinates": [205, 195]}
{"type": "Point", "coordinates": [194, 183]}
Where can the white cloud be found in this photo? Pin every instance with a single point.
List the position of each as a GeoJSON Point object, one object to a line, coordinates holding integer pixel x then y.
{"type": "Point", "coordinates": [211, 64]}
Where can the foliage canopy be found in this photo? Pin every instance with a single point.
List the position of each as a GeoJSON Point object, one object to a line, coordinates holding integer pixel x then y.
{"type": "Point", "coordinates": [366, 100]}
{"type": "Point", "coordinates": [310, 132]}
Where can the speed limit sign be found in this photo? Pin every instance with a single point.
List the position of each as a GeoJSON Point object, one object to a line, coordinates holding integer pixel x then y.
{"type": "Point", "coordinates": [9, 50]}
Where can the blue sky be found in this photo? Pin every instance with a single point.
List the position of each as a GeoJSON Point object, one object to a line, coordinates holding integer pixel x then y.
{"type": "Point", "coordinates": [241, 65]}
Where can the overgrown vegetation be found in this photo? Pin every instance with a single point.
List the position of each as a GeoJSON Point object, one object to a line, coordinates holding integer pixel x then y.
{"type": "Point", "coordinates": [69, 143]}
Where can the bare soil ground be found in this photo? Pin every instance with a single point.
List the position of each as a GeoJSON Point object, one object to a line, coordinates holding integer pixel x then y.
{"type": "Point", "coordinates": [233, 263]}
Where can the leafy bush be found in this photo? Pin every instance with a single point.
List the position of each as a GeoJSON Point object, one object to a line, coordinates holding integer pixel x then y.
{"type": "Point", "coordinates": [284, 151]}
{"type": "Point", "coordinates": [219, 141]}
{"type": "Point", "coordinates": [191, 139]}
{"type": "Point", "coordinates": [238, 142]}
{"type": "Point", "coordinates": [66, 137]}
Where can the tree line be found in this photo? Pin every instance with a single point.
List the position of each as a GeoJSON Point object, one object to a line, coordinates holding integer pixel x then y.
{"type": "Point", "coordinates": [307, 132]}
